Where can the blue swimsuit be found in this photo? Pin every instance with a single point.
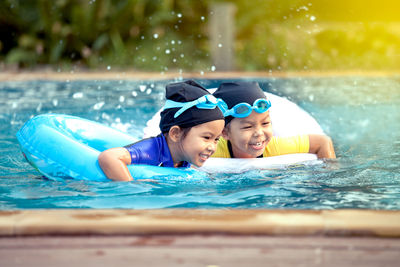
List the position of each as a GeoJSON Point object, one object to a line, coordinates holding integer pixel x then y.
{"type": "Point", "coordinates": [152, 151]}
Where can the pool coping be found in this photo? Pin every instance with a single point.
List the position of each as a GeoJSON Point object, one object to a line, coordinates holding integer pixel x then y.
{"type": "Point", "coordinates": [342, 222]}
{"type": "Point", "coordinates": [24, 75]}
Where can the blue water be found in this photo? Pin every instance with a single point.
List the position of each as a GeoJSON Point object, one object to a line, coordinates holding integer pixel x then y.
{"type": "Point", "coordinates": [361, 114]}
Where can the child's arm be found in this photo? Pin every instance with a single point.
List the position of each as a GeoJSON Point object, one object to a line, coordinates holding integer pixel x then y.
{"type": "Point", "coordinates": [322, 146]}
{"type": "Point", "coordinates": [113, 163]}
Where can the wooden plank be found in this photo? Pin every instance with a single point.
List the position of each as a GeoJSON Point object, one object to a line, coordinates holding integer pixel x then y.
{"type": "Point", "coordinates": [199, 250]}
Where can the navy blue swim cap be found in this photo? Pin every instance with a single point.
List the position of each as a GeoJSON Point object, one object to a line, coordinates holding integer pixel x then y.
{"type": "Point", "coordinates": [234, 93]}
{"type": "Point", "coordinates": [185, 92]}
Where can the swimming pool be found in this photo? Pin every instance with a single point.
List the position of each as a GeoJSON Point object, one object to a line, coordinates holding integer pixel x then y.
{"type": "Point", "coordinates": [361, 115]}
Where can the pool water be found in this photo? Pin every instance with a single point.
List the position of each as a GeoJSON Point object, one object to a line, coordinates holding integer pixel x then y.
{"type": "Point", "coordinates": [361, 114]}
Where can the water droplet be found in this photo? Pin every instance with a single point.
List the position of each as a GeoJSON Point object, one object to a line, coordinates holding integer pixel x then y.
{"type": "Point", "coordinates": [167, 51]}
{"type": "Point", "coordinates": [313, 18]}
{"type": "Point", "coordinates": [121, 98]}
{"type": "Point", "coordinates": [39, 107]}
{"type": "Point", "coordinates": [108, 67]}
{"type": "Point", "coordinates": [99, 105]}
{"type": "Point", "coordinates": [182, 55]}
{"type": "Point", "coordinates": [179, 15]}
{"type": "Point", "coordinates": [154, 58]}
{"type": "Point", "coordinates": [213, 68]}
{"type": "Point", "coordinates": [201, 72]}
{"type": "Point", "coordinates": [55, 102]}
{"type": "Point", "coordinates": [202, 18]}
{"type": "Point", "coordinates": [134, 93]}
{"type": "Point", "coordinates": [155, 36]}
{"type": "Point", "coordinates": [142, 88]}
{"type": "Point", "coordinates": [172, 41]}
{"type": "Point", "coordinates": [174, 60]}
{"type": "Point", "coordinates": [77, 95]}
{"type": "Point", "coordinates": [219, 45]}
{"type": "Point", "coordinates": [105, 116]}
{"type": "Point", "coordinates": [148, 91]}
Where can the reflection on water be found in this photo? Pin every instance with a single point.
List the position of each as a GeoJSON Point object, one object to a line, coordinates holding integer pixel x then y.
{"type": "Point", "coordinates": [360, 114]}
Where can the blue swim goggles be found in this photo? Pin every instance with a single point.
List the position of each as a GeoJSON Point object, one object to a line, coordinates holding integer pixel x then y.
{"type": "Point", "coordinates": [242, 110]}
{"type": "Point", "coordinates": [204, 102]}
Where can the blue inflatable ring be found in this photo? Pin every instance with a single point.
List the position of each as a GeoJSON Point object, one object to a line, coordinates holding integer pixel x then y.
{"type": "Point", "coordinates": [63, 146]}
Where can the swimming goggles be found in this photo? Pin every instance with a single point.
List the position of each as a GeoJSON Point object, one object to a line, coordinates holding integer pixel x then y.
{"type": "Point", "coordinates": [243, 110]}
{"type": "Point", "coordinates": [204, 102]}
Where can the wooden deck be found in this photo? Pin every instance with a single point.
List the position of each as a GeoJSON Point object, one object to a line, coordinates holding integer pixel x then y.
{"type": "Point", "coordinates": [198, 250]}
{"type": "Point", "coordinates": [180, 237]}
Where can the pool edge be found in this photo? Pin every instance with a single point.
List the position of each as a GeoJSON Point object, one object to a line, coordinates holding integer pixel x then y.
{"type": "Point", "coordinates": [140, 75]}
{"type": "Point", "coordinates": [346, 222]}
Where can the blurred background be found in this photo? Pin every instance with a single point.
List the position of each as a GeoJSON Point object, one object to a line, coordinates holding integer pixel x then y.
{"type": "Point", "coordinates": [200, 36]}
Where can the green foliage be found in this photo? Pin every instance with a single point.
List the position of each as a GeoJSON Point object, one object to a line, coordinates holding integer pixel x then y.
{"type": "Point", "coordinates": [142, 34]}
{"type": "Point", "coordinates": [162, 35]}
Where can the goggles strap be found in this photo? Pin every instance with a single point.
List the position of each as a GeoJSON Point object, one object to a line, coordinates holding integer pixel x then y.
{"type": "Point", "coordinates": [204, 102]}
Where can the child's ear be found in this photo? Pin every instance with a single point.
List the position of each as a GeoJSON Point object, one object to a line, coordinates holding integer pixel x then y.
{"type": "Point", "coordinates": [175, 133]}
{"type": "Point", "coordinates": [225, 133]}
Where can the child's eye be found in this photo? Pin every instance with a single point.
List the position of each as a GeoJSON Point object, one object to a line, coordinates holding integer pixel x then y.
{"type": "Point", "coordinates": [246, 127]}
{"type": "Point", "coordinates": [206, 137]}
{"type": "Point", "coordinates": [217, 139]}
{"type": "Point", "coordinates": [266, 123]}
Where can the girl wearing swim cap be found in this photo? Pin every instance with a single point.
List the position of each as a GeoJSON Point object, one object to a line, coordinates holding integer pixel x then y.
{"type": "Point", "coordinates": [248, 129]}
{"type": "Point", "coordinates": [191, 124]}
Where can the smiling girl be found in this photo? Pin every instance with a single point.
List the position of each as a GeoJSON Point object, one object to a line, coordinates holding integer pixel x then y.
{"type": "Point", "coordinates": [191, 124]}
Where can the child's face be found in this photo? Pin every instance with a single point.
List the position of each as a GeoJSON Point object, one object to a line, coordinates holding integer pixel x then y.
{"type": "Point", "coordinates": [201, 141]}
{"type": "Point", "coordinates": [250, 135]}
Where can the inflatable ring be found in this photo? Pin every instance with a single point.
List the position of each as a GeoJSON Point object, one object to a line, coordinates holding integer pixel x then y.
{"type": "Point", "coordinates": [62, 147]}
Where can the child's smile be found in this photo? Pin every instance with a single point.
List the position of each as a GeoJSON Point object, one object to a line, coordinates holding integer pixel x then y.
{"type": "Point", "coordinates": [249, 136]}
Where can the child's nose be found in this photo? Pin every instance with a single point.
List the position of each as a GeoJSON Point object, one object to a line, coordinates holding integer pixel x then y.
{"type": "Point", "coordinates": [211, 147]}
{"type": "Point", "coordinates": [258, 131]}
